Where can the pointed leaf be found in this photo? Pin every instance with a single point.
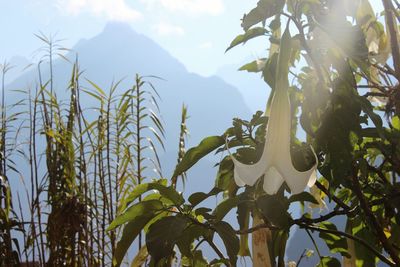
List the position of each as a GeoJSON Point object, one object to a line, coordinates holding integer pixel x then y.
{"type": "Point", "coordinates": [243, 38]}
{"type": "Point", "coordinates": [302, 197]}
{"type": "Point", "coordinates": [329, 262]}
{"type": "Point", "coordinates": [194, 154]}
{"type": "Point", "coordinates": [167, 192]}
{"type": "Point", "coordinates": [198, 197]}
{"type": "Point", "coordinates": [163, 235]}
{"type": "Point", "coordinates": [129, 234]}
{"type": "Point", "coordinates": [264, 10]}
{"type": "Point", "coordinates": [336, 243]}
{"type": "Point", "coordinates": [224, 207]}
{"type": "Point", "coordinates": [136, 211]}
{"type": "Point", "coordinates": [274, 209]}
{"type": "Point", "coordinates": [254, 66]}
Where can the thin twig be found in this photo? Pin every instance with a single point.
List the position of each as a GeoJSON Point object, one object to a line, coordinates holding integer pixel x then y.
{"type": "Point", "coordinates": [389, 15]}
{"type": "Point", "coordinates": [359, 240]}
{"type": "Point", "coordinates": [258, 227]}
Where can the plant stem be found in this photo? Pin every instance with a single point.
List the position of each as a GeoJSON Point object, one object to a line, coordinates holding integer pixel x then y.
{"type": "Point", "coordinates": [389, 15]}
{"type": "Point", "coordinates": [138, 142]}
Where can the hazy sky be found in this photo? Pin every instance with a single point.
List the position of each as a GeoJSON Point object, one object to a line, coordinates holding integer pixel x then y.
{"type": "Point", "coordinates": [197, 32]}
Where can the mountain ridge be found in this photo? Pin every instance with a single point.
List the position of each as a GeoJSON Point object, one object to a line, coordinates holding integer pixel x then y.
{"type": "Point", "coordinates": [120, 52]}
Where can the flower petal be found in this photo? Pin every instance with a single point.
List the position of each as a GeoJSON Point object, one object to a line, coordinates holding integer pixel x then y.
{"type": "Point", "coordinates": [249, 174]}
{"type": "Point", "coordinates": [313, 179]}
{"type": "Point", "coordinates": [244, 174]}
{"type": "Point", "coordinates": [296, 180]}
{"type": "Point", "coordinates": [276, 163]}
{"type": "Point", "coordinates": [272, 181]}
{"type": "Point", "coordinates": [238, 181]}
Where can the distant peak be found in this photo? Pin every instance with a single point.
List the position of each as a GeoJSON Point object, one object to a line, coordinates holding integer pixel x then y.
{"type": "Point", "coordinates": [114, 26]}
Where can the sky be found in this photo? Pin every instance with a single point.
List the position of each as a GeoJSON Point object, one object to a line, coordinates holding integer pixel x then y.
{"type": "Point", "coordinates": [196, 32]}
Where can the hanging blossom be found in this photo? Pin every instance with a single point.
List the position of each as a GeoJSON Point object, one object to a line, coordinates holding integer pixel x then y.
{"type": "Point", "coordinates": [276, 163]}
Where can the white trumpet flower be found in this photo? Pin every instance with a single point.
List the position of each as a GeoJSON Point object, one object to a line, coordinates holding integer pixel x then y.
{"type": "Point", "coordinates": [276, 163]}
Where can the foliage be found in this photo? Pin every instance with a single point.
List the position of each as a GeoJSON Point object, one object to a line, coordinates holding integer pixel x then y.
{"type": "Point", "coordinates": [344, 95]}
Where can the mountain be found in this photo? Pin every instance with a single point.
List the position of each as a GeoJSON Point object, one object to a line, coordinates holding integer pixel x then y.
{"type": "Point", "coordinates": [252, 87]}
{"type": "Point", "coordinates": [119, 52]}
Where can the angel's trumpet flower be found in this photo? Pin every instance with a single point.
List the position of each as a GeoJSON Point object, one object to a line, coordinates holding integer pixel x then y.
{"type": "Point", "coordinates": [275, 163]}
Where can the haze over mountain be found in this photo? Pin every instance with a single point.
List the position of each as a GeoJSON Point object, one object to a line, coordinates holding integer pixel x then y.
{"type": "Point", "coordinates": [251, 85]}
{"type": "Point", "coordinates": [119, 52]}
{"type": "Point", "coordinates": [17, 66]}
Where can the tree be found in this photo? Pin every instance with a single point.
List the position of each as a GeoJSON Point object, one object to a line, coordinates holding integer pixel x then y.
{"type": "Point", "coordinates": [343, 62]}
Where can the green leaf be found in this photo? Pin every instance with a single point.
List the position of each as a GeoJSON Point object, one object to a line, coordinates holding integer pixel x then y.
{"type": "Point", "coordinates": [137, 217]}
{"type": "Point", "coordinates": [376, 119]}
{"type": "Point", "coordinates": [100, 91]}
{"type": "Point", "coordinates": [167, 192]}
{"type": "Point", "coordinates": [243, 38]}
{"type": "Point", "coordinates": [275, 24]}
{"type": "Point", "coordinates": [230, 239]}
{"type": "Point", "coordinates": [194, 154]}
{"type": "Point", "coordinates": [159, 215]}
{"type": "Point", "coordinates": [274, 209]}
{"type": "Point", "coordinates": [362, 231]}
{"type": "Point", "coordinates": [254, 66]}
{"type": "Point", "coordinates": [192, 232]}
{"type": "Point", "coordinates": [329, 262]}
{"type": "Point", "coordinates": [199, 260]}
{"type": "Point", "coordinates": [350, 39]}
{"type": "Point", "coordinates": [225, 174]}
{"type": "Point", "coordinates": [264, 10]}
{"type": "Point", "coordinates": [243, 218]}
{"type": "Point", "coordinates": [302, 197]}
{"type": "Point", "coordinates": [136, 211]}
{"type": "Point", "coordinates": [269, 71]}
{"type": "Point", "coordinates": [219, 262]}
{"type": "Point", "coordinates": [336, 243]}
{"type": "Point", "coordinates": [365, 13]}
{"type": "Point", "coordinates": [224, 207]}
{"type": "Point", "coordinates": [163, 235]}
{"type": "Point", "coordinates": [202, 211]}
{"type": "Point", "coordinates": [129, 234]}
{"type": "Point", "coordinates": [198, 197]}
{"type": "Point", "coordinates": [196, 261]}
{"type": "Point", "coordinates": [396, 123]}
